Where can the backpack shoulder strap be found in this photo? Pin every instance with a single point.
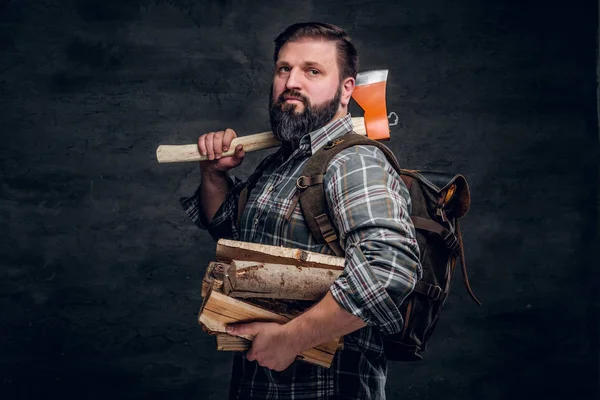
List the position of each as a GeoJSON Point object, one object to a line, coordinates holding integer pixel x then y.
{"type": "Point", "coordinates": [312, 193]}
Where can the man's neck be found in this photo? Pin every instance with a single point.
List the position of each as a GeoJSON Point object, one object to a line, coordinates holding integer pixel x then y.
{"type": "Point", "coordinates": [341, 113]}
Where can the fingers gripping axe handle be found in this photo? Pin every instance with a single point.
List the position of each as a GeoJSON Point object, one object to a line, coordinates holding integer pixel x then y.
{"type": "Point", "coordinates": [369, 93]}
{"type": "Point", "coordinates": [190, 152]}
{"type": "Point", "coordinates": [257, 141]}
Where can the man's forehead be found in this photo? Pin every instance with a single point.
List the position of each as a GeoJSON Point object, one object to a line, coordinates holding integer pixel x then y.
{"type": "Point", "coordinates": [308, 51]}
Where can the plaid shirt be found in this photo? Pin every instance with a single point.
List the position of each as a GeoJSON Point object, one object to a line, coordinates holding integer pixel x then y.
{"type": "Point", "coordinates": [369, 205]}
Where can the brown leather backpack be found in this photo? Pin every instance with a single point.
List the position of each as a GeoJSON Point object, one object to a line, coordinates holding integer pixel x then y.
{"type": "Point", "coordinates": [438, 202]}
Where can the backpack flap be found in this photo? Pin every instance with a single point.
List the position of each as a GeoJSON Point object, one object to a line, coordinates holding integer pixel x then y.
{"type": "Point", "coordinates": [450, 192]}
{"type": "Point", "coordinates": [458, 196]}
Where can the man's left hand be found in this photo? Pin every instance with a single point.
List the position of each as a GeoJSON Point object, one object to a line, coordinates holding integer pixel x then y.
{"type": "Point", "coordinates": [272, 347]}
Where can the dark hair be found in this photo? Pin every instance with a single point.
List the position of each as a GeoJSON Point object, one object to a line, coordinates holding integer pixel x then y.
{"type": "Point", "coordinates": [347, 56]}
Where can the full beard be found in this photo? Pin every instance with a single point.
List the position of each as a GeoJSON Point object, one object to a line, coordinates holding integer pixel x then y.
{"type": "Point", "coordinates": [289, 126]}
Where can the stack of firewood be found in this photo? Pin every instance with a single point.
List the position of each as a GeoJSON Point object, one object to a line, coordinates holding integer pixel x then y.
{"type": "Point", "coordinates": [251, 282]}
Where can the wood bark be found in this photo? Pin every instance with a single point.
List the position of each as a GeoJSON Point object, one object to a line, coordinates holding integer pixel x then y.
{"type": "Point", "coordinates": [246, 279]}
{"type": "Point", "coordinates": [229, 250]}
{"type": "Point", "coordinates": [213, 277]}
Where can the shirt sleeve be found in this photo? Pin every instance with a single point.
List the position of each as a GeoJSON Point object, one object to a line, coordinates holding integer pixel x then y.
{"type": "Point", "coordinates": [370, 206]}
{"type": "Point", "coordinates": [224, 224]}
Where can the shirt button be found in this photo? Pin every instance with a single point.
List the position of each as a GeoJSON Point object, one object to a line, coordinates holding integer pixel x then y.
{"type": "Point", "coordinates": [255, 221]}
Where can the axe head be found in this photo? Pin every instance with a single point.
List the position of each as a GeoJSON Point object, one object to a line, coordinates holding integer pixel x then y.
{"type": "Point", "coordinates": [369, 94]}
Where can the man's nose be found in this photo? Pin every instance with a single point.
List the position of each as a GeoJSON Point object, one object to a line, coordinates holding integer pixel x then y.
{"type": "Point", "coordinates": [294, 79]}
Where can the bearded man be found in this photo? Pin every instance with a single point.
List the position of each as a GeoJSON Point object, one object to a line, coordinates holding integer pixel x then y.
{"type": "Point", "coordinates": [314, 77]}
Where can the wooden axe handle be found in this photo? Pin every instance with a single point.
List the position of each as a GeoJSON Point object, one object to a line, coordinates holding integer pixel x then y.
{"type": "Point", "coordinates": [258, 141]}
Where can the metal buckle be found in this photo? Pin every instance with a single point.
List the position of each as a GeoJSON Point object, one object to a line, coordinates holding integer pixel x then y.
{"type": "Point", "coordinates": [327, 230]}
{"type": "Point", "coordinates": [441, 212]}
{"type": "Point", "coordinates": [299, 185]}
{"type": "Point", "coordinates": [451, 242]}
{"type": "Point", "coordinates": [330, 144]}
{"type": "Point", "coordinates": [393, 114]}
{"type": "Point", "coordinates": [434, 292]}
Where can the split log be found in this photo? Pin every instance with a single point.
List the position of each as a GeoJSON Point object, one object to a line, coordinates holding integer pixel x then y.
{"type": "Point", "coordinates": [287, 308]}
{"type": "Point", "coordinates": [229, 250]}
{"type": "Point", "coordinates": [213, 277]}
{"type": "Point", "coordinates": [247, 279]}
{"type": "Point", "coordinates": [219, 310]}
{"type": "Point", "coordinates": [227, 342]}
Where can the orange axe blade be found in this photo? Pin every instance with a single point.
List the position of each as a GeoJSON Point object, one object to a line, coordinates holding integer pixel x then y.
{"type": "Point", "coordinates": [369, 93]}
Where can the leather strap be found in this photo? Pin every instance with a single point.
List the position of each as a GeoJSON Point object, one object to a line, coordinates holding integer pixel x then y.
{"type": "Point", "coordinates": [328, 232]}
{"type": "Point", "coordinates": [305, 181]}
{"type": "Point", "coordinates": [242, 204]}
{"type": "Point", "coordinates": [449, 238]}
{"type": "Point", "coordinates": [434, 292]}
{"type": "Point", "coordinates": [463, 264]}
{"type": "Point", "coordinates": [312, 194]}
{"type": "Point", "coordinates": [429, 225]}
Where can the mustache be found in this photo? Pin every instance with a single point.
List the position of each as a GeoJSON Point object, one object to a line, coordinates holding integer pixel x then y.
{"type": "Point", "coordinates": [292, 93]}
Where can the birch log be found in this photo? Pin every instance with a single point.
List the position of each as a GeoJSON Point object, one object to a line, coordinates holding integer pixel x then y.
{"type": "Point", "coordinates": [252, 279]}
{"type": "Point", "coordinates": [247, 279]}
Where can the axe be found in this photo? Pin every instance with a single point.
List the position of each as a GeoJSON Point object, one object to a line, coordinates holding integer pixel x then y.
{"type": "Point", "coordinates": [369, 94]}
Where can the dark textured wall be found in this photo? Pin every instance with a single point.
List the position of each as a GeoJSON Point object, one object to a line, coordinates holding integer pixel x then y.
{"type": "Point", "coordinates": [100, 269]}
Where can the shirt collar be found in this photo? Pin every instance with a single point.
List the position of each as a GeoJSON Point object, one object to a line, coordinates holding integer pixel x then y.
{"type": "Point", "coordinates": [316, 139]}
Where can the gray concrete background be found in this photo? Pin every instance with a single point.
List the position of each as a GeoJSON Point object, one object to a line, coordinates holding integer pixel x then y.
{"type": "Point", "coordinates": [100, 269]}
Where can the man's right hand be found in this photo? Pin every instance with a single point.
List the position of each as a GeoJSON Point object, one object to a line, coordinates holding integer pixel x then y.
{"type": "Point", "coordinates": [213, 144]}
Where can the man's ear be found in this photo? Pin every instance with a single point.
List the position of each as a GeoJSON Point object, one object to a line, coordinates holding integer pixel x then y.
{"type": "Point", "coordinates": [348, 85]}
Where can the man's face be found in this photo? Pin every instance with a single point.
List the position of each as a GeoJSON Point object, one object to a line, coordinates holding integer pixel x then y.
{"type": "Point", "coordinates": [307, 92]}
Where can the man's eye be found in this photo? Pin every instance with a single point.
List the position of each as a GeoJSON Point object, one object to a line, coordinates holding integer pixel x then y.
{"type": "Point", "coordinates": [284, 69]}
{"type": "Point", "coordinates": [313, 72]}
